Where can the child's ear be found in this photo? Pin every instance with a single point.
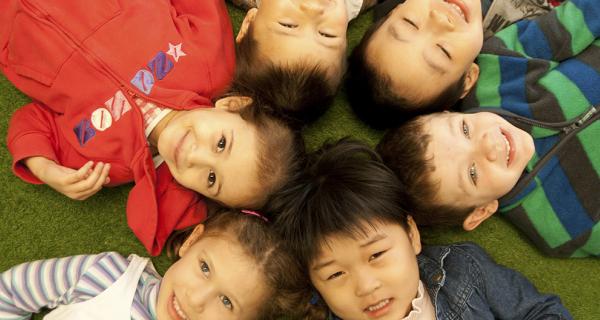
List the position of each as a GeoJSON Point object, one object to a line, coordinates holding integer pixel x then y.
{"type": "Point", "coordinates": [233, 103]}
{"type": "Point", "coordinates": [413, 235]}
{"type": "Point", "coordinates": [479, 215]}
{"type": "Point", "coordinates": [470, 79]}
{"type": "Point", "coordinates": [248, 19]}
{"type": "Point", "coordinates": [192, 238]}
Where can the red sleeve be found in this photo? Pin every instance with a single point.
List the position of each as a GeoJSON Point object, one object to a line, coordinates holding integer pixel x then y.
{"type": "Point", "coordinates": [32, 132]}
{"type": "Point", "coordinates": [208, 25]}
{"type": "Point", "coordinates": [173, 207]}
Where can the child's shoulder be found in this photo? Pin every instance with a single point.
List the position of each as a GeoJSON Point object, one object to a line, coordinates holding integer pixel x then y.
{"type": "Point", "coordinates": [457, 257]}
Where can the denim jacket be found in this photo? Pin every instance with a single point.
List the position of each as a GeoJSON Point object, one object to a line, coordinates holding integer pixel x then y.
{"type": "Point", "coordinates": [465, 283]}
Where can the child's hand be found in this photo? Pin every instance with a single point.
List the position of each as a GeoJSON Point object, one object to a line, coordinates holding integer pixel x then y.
{"type": "Point", "coordinates": [75, 184]}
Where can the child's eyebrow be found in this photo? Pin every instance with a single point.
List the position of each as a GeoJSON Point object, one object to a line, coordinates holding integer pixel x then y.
{"type": "Point", "coordinates": [323, 265]}
{"type": "Point", "coordinates": [229, 147]}
{"type": "Point", "coordinates": [376, 238]}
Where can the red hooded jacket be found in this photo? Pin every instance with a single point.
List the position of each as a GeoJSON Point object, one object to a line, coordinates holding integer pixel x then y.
{"type": "Point", "coordinates": [83, 62]}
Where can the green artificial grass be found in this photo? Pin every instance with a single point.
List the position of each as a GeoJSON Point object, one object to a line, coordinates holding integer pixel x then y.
{"type": "Point", "coordinates": [37, 222]}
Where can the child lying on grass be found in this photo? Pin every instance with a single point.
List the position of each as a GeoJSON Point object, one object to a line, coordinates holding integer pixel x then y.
{"type": "Point", "coordinates": [543, 77]}
{"type": "Point", "coordinates": [362, 251]}
{"type": "Point", "coordinates": [123, 92]}
{"type": "Point", "coordinates": [420, 57]}
{"type": "Point", "coordinates": [231, 267]}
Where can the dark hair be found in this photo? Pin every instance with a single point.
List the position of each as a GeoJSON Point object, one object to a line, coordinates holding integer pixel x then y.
{"type": "Point", "coordinates": [371, 95]}
{"type": "Point", "coordinates": [404, 151]}
{"type": "Point", "coordinates": [280, 269]}
{"type": "Point", "coordinates": [300, 93]}
{"type": "Point", "coordinates": [344, 186]}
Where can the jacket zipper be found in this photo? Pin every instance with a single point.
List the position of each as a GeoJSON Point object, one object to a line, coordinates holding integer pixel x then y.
{"type": "Point", "coordinates": [576, 125]}
{"type": "Point", "coordinates": [98, 63]}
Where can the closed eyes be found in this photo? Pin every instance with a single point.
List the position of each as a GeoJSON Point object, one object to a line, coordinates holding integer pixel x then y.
{"type": "Point", "coordinates": [288, 25]}
{"type": "Point", "coordinates": [327, 35]}
{"type": "Point", "coordinates": [411, 23]}
{"type": "Point", "coordinates": [445, 51]}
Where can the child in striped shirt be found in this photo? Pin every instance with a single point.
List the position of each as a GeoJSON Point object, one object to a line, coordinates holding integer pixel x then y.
{"type": "Point", "coordinates": [539, 168]}
{"type": "Point", "coordinates": [231, 267]}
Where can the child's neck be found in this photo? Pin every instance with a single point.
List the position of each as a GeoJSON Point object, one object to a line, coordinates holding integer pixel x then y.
{"type": "Point", "coordinates": [160, 126]}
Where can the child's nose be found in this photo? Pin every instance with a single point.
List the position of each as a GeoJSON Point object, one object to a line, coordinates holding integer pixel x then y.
{"type": "Point", "coordinates": [441, 20]}
{"type": "Point", "coordinates": [200, 156]}
{"type": "Point", "coordinates": [490, 146]}
{"type": "Point", "coordinates": [366, 284]}
{"type": "Point", "coordinates": [312, 7]}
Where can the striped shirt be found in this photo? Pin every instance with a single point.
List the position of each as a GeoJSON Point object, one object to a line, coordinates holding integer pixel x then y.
{"type": "Point", "coordinates": [31, 286]}
{"type": "Point", "coordinates": [548, 69]}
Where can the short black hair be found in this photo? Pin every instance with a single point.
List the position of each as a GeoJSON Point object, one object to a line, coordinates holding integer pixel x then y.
{"type": "Point", "coordinates": [371, 95]}
{"type": "Point", "coordinates": [344, 188]}
{"type": "Point", "coordinates": [298, 93]}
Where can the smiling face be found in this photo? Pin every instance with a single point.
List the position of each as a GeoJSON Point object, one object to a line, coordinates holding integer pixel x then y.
{"type": "Point", "coordinates": [374, 276]}
{"type": "Point", "coordinates": [214, 279]}
{"type": "Point", "coordinates": [214, 152]}
{"type": "Point", "coordinates": [291, 32]}
{"type": "Point", "coordinates": [424, 46]}
{"type": "Point", "coordinates": [478, 157]}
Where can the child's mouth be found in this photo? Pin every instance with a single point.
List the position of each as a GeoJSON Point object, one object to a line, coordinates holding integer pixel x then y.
{"type": "Point", "coordinates": [459, 8]}
{"type": "Point", "coordinates": [379, 309]}
{"type": "Point", "coordinates": [510, 150]}
{"type": "Point", "coordinates": [178, 311]}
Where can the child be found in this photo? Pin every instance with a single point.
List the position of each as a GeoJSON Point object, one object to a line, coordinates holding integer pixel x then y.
{"type": "Point", "coordinates": [419, 58]}
{"type": "Point", "coordinates": [298, 45]}
{"type": "Point", "coordinates": [547, 86]}
{"type": "Point", "coordinates": [105, 105]}
{"type": "Point", "coordinates": [346, 224]}
{"type": "Point", "coordinates": [232, 267]}
{"type": "Point", "coordinates": [542, 179]}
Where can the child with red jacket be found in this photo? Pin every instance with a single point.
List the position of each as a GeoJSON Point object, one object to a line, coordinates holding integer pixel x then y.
{"type": "Point", "coordinates": [127, 85]}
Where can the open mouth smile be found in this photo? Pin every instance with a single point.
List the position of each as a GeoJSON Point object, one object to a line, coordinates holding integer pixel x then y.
{"type": "Point", "coordinates": [510, 150]}
{"type": "Point", "coordinates": [459, 8]}
{"type": "Point", "coordinates": [379, 309]}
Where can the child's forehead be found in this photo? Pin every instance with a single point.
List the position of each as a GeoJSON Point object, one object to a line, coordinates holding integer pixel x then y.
{"type": "Point", "coordinates": [360, 235]}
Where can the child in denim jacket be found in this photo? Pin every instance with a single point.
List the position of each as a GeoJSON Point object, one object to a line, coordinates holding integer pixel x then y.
{"type": "Point", "coordinates": [363, 254]}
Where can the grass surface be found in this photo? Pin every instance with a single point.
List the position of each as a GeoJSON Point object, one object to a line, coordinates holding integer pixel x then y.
{"type": "Point", "coordinates": [37, 222]}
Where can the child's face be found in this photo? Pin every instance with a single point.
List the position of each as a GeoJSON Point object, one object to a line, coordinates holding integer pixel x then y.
{"type": "Point", "coordinates": [294, 31]}
{"type": "Point", "coordinates": [214, 152]}
{"type": "Point", "coordinates": [375, 276]}
{"type": "Point", "coordinates": [214, 279]}
{"type": "Point", "coordinates": [426, 45]}
{"type": "Point", "coordinates": [478, 157]}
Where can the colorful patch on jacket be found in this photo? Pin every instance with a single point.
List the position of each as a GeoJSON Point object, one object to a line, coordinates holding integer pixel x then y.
{"type": "Point", "coordinates": [84, 131]}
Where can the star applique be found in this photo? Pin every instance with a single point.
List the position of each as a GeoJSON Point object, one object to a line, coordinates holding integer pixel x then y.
{"type": "Point", "coordinates": [175, 52]}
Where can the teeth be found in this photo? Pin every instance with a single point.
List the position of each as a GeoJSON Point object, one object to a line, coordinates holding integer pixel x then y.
{"type": "Point", "coordinates": [457, 9]}
{"type": "Point", "coordinates": [380, 305]}
{"type": "Point", "coordinates": [178, 309]}
{"type": "Point", "coordinates": [507, 148]}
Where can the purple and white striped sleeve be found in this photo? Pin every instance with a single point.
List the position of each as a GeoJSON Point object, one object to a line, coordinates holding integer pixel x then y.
{"type": "Point", "coordinates": [28, 287]}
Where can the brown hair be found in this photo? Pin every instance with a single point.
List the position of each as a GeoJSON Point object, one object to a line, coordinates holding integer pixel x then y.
{"type": "Point", "coordinates": [281, 148]}
{"type": "Point", "coordinates": [404, 151]}
{"type": "Point", "coordinates": [282, 273]}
